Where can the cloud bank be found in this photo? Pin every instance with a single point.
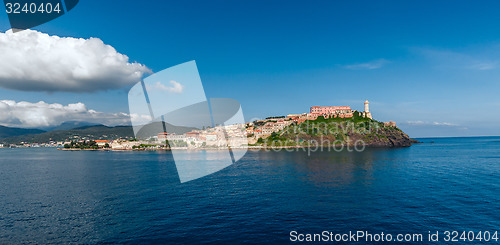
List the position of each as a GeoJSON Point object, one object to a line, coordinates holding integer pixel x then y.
{"type": "Point", "coordinates": [32, 115]}
{"type": "Point", "coordinates": [35, 61]}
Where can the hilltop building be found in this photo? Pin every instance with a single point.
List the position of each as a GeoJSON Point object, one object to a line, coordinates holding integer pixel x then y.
{"type": "Point", "coordinates": [390, 124]}
{"type": "Point", "coordinates": [331, 111]}
{"type": "Point", "coordinates": [326, 110]}
{"type": "Point", "coordinates": [264, 128]}
{"type": "Point", "coordinates": [367, 112]}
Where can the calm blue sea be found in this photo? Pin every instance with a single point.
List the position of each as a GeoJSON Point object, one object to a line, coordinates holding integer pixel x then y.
{"type": "Point", "coordinates": [51, 196]}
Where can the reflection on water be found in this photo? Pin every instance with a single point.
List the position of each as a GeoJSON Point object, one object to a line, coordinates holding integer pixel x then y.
{"type": "Point", "coordinates": [333, 168]}
{"type": "Point", "coordinates": [50, 196]}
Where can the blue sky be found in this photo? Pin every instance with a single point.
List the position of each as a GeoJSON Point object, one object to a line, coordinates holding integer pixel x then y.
{"type": "Point", "coordinates": [433, 67]}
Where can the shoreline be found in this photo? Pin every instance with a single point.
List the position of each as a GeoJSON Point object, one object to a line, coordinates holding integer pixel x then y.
{"type": "Point", "coordinates": [249, 148]}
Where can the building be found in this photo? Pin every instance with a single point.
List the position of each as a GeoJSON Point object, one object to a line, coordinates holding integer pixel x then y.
{"type": "Point", "coordinates": [162, 136]}
{"type": "Point", "coordinates": [292, 116]}
{"type": "Point", "coordinates": [102, 143]}
{"type": "Point", "coordinates": [176, 137]}
{"type": "Point", "coordinates": [264, 128]}
{"type": "Point", "coordinates": [329, 110]}
{"type": "Point", "coordinates": [211, 137]}
{"type": "Point", "coordinates": [367, 112]}
{"type": "Point", "coordinates": [124, 144]}
{"type": "Point", "coordinates": [192, 135]}
{"type": "Point", "coordinates": [390, 124]}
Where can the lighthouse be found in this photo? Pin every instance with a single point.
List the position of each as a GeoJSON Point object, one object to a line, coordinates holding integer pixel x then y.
{"type": "Point", "coordinates": [367, 112]}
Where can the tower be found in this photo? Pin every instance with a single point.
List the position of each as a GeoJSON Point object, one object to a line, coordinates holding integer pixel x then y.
{"type": "Point", "coordinates": [367, 112]}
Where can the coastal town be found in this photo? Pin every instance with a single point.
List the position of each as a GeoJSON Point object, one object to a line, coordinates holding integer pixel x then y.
{"type": "Point", "coordinates": [236, 135]}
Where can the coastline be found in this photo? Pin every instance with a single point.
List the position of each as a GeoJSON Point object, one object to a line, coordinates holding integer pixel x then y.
{"type": "Point", "coordinates": [253, 147]}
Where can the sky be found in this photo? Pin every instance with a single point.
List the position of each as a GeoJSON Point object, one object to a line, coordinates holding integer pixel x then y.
{"type": "Point", "coordinates": [432, 67]}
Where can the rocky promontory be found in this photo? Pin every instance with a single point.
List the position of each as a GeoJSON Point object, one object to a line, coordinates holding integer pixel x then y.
{"type": "Point", "coordinates": [356, 130]}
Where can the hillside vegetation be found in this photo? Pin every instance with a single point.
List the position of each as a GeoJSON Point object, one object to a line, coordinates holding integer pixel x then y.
{"type": "Point", "coordinates": [356, 130]}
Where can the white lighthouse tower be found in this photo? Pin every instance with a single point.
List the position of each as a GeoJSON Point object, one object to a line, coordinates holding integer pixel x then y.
{"type": "Point", "coordinates": [367, 112]}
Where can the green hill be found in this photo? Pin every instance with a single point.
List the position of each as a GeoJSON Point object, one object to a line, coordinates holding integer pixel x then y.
{"type": "Point", "coordinates": [356, 130]}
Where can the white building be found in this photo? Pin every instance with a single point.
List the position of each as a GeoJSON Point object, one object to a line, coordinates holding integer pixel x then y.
{"type": "Point", "coordinates": [367, 112]}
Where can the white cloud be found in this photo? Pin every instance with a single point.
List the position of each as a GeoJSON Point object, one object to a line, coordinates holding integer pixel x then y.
{"type": "Point", "coordinates": [41, 114]}
{"type": "Point", "coordinates": [444, 124]}
{"type": "Point", "coordinates": [176, 88]}
{"type": "Point", "coordinates": [422, 123]}
{"type": "Point", "coordinates": [416, 123]}
{"type": "Point", "coordinates": [376, 64]}
{"type": "Point", "coordinates": [479, 60]}
{"type": "Point", "coordinates": [34, 61]}
{"type": "Point", "coordinates": [483, 66]}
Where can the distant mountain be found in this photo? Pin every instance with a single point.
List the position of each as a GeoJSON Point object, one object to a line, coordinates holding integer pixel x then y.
{"type": "Point", "coordinates": [70, 125]}
{"type": "Point", "coordinates": [95, 133]}
{"type": "Point", "coordinates": [9, 132]}
{"type": "Point", "coordinates": [152, 129]}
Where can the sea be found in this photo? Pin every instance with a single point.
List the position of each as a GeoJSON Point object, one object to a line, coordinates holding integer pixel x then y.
{"type": "Point", "coordinates": [443, 185]}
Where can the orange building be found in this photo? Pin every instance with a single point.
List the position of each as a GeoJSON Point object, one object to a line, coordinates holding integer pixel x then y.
{"type": "Point", "coordinates": [162, 136]}
{"type": "Point", "coordinates": [192, 134]}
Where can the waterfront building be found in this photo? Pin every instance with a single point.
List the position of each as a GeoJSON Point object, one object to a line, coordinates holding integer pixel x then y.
{"type": "Point", "coordinates": [102, 143]}
{"type": "Point", "coordinates": [162, 136]}
{"type": "Point", "coordinates": [192, 134]}
{"type": "Point", "coordinates": [211, 137]}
